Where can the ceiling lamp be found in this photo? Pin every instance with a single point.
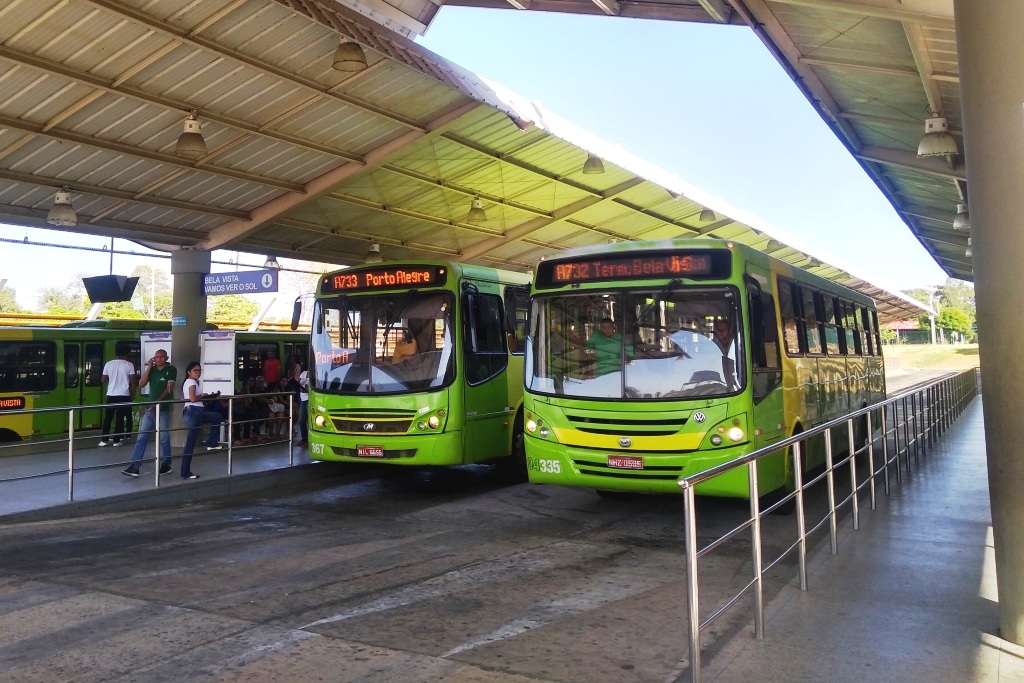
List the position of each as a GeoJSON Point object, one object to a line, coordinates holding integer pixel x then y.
{"type": "Point", "coordinates": [962, 220]}
{"type": "Point", "coordinates": [373, 254]}
{"type": "Point", "coordinates": [272, 262]}
{"type": "Point", "coordinates": [191, 144]}
{"type": "Point", "coordinates": [706, 215]}
{"type": "Point", "coordinates": [967, 252]}
{"type": "Point", "coordinates": [349, 57]}
{"type": "Point", "coordinates": [593, 164]}
{"type": "Point", "coordinates": [476, 211]}
{"type": "Point", "coordinates": [774, 245]}
{"type": "Point", "coordinates": [937, 142]}
{"type": "Point", "coordinates": [61, 214]}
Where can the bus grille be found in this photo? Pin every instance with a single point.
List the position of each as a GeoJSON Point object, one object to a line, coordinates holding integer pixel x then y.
{"type": "Point", "coordinates": [389, 454]}
{"type": "Point", "coordinates": [648, 473]}
{"type": "Point", "coordinates": [622, 425]}
{"type": "Point", "coordinates": [372, 421]}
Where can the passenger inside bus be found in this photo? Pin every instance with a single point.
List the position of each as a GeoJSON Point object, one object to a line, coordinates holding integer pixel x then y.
{"type": "Point", "coordinates": [405, 348]}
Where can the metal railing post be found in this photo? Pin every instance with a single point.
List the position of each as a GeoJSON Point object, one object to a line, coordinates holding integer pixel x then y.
{"type": "Point", "coordinates": [692, 590]}
{"type": "Point", "coordinates": [801, 522]}
{"type": "Point", "coordinates": [755, 550]}
{"type": "Point", "coordinates": [156, 433]}
{"type": "Point", "coordinates": [830, 479]}
{"type": "Point", "coordinates": [871, 458]}
{"type": "Point", "coordinates": [853, 475]}
{"type": "Point", "coordinates": [71, 455]}
{"type": "Point", "coordinates": [291, 426]}
{"type": "Point", "coordinates": [906, 435]}
{"type": "Point", "coordinates": [885, 448]}
{"type": "Point", "coordinates": [231, 430]}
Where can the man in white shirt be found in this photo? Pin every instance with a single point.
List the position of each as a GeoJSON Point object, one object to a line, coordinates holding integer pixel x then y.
{"type": "Point", "coordinates": [119, 376]}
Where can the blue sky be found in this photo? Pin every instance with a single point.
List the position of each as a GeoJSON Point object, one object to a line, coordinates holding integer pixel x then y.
{"type": "Point", "coordinates": [705, 102]}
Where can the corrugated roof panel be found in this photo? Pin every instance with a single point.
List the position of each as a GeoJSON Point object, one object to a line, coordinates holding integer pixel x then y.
{"type": "Point", "coordinates": [333, 123]}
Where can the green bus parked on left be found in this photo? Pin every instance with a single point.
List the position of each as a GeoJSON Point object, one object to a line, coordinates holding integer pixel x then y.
{"type": "Point", "coordinates": [57, 367]}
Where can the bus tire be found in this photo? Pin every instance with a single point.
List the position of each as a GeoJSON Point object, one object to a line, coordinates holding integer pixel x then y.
{"type": "Point", "coordinates": [772, 497]}
{"type": "Point", "coordinates": [512, 468]}
{"type": "Point", "coordinates": [8, 436]}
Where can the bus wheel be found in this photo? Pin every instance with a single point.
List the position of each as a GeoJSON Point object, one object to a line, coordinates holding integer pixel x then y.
{"type": "Point", "coordinates": [7, 436]}
{"type": "Point", "coordinates": [772, 497]}
{"type": "Point", "coordinates": [512, 468]}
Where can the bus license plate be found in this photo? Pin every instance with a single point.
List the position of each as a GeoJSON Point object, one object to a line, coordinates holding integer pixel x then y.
{"type": "Point", "coordinates": [625, 462]}
{"type": "Point", "coordinates": [370, 451]}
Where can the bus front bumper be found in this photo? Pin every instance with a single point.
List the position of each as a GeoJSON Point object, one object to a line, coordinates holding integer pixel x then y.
{"type": "Point", "coordinates": [429, 449]}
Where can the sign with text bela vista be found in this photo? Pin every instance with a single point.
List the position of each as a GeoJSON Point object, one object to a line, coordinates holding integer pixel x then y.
{"type": "Point", "coordinates": [242, 282]}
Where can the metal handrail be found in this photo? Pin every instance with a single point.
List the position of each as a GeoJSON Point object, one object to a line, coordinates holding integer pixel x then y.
{"type": "Point", "coordinates": [72, 437]}
{"type": "Point", "coordinates": [933, 407]}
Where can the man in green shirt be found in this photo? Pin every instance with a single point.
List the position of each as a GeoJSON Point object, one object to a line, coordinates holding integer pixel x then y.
{"type": "Point", "coordinates": [607, 348]}
{"type": "Point", "coordinates": [160, 376]}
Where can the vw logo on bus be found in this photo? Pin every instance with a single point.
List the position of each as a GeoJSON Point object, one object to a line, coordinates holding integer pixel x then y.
{"type": "Point", "coordinates": [625, 442]}
{"type": "Point", "coordinates": [369, 427]}
{"type": "Point", "coordinates": [698, 417]}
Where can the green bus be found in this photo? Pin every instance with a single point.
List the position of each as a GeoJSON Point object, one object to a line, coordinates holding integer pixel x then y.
{"type": "Point", "coordinates": [650, 361]}
{"type": "Point", "coordinates": [417, 363]}
{"type": "Point", "coordinates": [55, 367]}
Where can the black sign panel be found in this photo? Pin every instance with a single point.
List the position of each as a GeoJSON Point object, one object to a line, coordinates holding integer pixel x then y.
{"type": "Point", "coordinates": [695, 264]}
{"type": "Point", "coordinates": [12, 402]}
{"type": "Point", "coordinates": [384, 277]}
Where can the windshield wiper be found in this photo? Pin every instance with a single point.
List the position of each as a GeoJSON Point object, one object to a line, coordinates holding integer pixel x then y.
{"type": "Point", "coordinates": [396, 314]}
{"type": "Point", "coordinates": [659, 297]}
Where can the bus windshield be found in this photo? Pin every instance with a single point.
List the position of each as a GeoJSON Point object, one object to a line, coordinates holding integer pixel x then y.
{"type": "Point", "coordinates": [668, 343]}
{"type": "Point", "coordinates": [384, 343]}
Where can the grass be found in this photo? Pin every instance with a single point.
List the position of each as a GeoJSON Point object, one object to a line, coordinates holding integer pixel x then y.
{"type": "Point", "coordinates": [931, 357]}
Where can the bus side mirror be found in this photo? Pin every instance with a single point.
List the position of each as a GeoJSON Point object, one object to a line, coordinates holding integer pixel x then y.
{"type": "Point", "coordinates": [296, 313]}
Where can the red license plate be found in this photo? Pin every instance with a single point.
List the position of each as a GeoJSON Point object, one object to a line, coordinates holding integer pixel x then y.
{"type": "Point", "coordinates": [370, 451]}
{"type": "Point", "coordinates": [625, 462]}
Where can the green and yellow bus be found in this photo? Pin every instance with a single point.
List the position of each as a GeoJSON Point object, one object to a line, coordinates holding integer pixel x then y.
{"type": "Point", "coordinates": [417, 363]}
{"type": "Point", "coordinates": [56, 367]}
{"type": "Point", "coordinates": [650, 361]}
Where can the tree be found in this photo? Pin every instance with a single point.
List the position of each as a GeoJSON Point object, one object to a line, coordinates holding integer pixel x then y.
{"type": "Point", "coordinates": [231, 307]}
{"type": "Point", "coordinates": [956, 320]}
{"type": "Point", "coordinates": [121, 309]}
{"type": "Point", "coordinates": [153, 295]}
{"type": "Point", "coordinates": [67, 300]}
{"type": "Point", "coordinates": [9, 301]}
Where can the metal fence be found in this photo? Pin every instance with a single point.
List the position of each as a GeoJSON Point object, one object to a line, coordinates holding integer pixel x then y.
{"type": "Point", "coordinates": [74, 440]}
{"type": "Point", "coordinates": [909, 423]}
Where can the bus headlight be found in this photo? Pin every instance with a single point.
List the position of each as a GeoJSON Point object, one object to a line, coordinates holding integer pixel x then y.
{"type": "Point", "coordinates": [320, 420]}
{"type": "Point", "coordinates": [735, 434]}
{"type": "Point", "coordinates": [434, 421]}
{"type": "Point", "coordinates": [531, 426]}
{"type": "Point", "coordinates": [716, 440]}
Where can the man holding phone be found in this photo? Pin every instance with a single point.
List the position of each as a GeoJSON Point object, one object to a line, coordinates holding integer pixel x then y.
{"type": "Point", "coordinates": [160, 376]}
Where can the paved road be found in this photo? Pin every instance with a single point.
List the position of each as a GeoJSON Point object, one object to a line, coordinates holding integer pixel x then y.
{"type": "Point", "coordinates": [432, 575]}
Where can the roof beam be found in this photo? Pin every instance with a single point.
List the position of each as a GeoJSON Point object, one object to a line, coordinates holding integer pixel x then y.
{"type": "Point", "coordinates": [927, 213]}
{"type": "Point", "coordinates": [133, 151]}
{"type": "Point", "coordinates": [269, 212]}
{"type": "Point", "coordinates": [116, 87]}
{"type": "Point", "coordinates": [369, 237]}
{"type": "Point", "coordinates": [609, 7]}
{"type": "Point", "coordinates": [535, 224]}
{"type": "Point", "coordinates": [918, 47]}
{"type": "Point", "coordinates": [717, 10]}
{"type": "Point", "coordinates": [872, 68]}
{"type": "Point", "coordinates": [885, 121]}
{"type": "Point", "coordinates": [196, 41]}
{"type": "Point", "coordinates": [937, 13]}
{"type": "Point", "coordinates": [36, 218]}
{"type": "Point", "coordinates": [630, 10]}
{"type": "Point", "coordinates": [57, 183]}
{"type": "Point", "coordinates": [898, 157]}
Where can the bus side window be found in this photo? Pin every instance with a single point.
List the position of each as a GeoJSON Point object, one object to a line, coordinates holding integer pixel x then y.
{"type": "Point", "coordinates": [865, 331]}
{"type": "Point", "coordinates": [28, 366]}
{"type": "Point", "coordinates": [791, 323]}
{"type": "Point", "coordinates": [517, 306]}
{"type": "Point", "coordinates": [812, 331]}
{"type": "Point", "coordinates": [850, 333]}
{"type": "Point", "coordinates": [829, 313]}
{"type": "Point", "coordinates": [72, 358]}
{"type": "Point", "coordinates": [877, 337]}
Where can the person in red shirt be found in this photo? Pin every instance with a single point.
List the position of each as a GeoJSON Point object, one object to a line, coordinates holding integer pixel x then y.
{"type": "Point", "coordinates": [271, 369]}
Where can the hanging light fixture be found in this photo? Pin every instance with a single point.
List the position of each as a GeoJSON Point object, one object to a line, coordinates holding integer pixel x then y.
{"type": "Point", "coordinates": [272, 262]}
{"type": "Point", "coordinates": [61, 214]}
{"type": "Point", "coordinates": [937, 142]}
{"type": "Point", "coordinates": [962, 220]}
{"type": "Point", "coordinates": [476, 211]}
{"type": "Point", "coordinates": [593, 164]}
{"type": "Point", "coordinates": [373, 254]}
{"type": "Point", "coordinates": [191, 144]}
{"type": "Point", "coordinates": [967, 252]}
{"type": "Point", "coordinates": [774, 245]}
{"type": "Point", "coordinates": [707, 215]}
{"type": "Point", "coordinates": [349, 57]}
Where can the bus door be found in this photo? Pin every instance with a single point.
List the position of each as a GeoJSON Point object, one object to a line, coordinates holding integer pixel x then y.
{"type": "Point", "coordinates": [766, 361]}
{"type": "Point", "coordinates": [83, 385]}
{"type": "Point", "coordinates": [485, 382]}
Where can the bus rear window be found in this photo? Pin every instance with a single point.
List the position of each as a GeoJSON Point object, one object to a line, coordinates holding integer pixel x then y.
{"type": "Point", "coordinates": [27, 366]}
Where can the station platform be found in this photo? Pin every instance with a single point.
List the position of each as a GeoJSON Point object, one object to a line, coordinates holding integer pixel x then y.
{"type": "Point", "coordinates": [910, 597]}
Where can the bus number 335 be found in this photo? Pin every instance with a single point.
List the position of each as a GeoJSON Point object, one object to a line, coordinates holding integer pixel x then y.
{"type": "Point", "coordinates": [543, 465]}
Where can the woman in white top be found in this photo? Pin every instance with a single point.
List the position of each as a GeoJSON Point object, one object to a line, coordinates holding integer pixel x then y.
{"type": "Point", "coordinates": [196, 415]}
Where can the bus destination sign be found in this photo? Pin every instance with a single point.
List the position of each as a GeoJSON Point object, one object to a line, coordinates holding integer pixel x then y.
{"type": "Point", "coordinates": [703, 264]}
{"type": "Point", "coordinates": [385, 277]}
{"type": "Point", "coordinates": [12, 403]}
